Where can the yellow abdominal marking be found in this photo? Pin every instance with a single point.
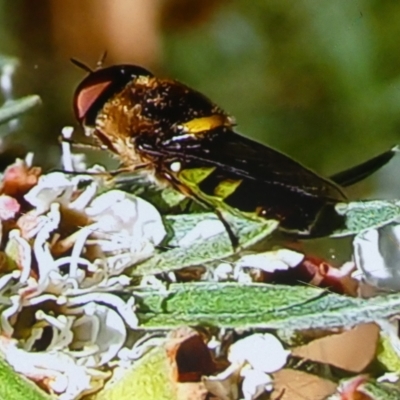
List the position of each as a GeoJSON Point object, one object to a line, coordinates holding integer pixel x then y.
{"type": "Point", "coordinates": [206, 123]}
{"type": "Point", "coordinates": [226, 188]}
{"type": "Point", "coordinates": [193, 176]}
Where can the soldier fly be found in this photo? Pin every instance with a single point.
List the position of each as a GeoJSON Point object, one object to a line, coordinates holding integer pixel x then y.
{"type": "Point", "coordinates": [176, 136]}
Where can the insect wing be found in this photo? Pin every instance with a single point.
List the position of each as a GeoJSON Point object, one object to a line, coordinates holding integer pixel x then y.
{"type": "Point", "coordinates": [222, 168]}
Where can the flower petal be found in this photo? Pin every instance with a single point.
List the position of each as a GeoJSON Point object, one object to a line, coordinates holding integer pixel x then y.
{"type": "Point", "coordinates": [377, 256]}
{"type": "Point", "coordinates": [264, 352]}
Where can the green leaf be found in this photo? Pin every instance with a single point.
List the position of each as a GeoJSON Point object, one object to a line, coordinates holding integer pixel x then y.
{"type": "Point", "coordinates": [202, 251]}
{"type": "Point", "coordinates": [148, 379]}
{"type": "Point", "coordinates": [381, 391]}
{"type": "Point", "coordinates": [172, 197]}
{"type": "Point", "coordinates": [290, 308]}
{"type": "Point", "coordinates": [387, 355]}
{"type": "Point", "coordinates": [14, 387]}
{"type": "Point", "coordinates": [15, 108]}
{"type": "Point", "coordinates": [361, 215]}
{"type": "Point", "coordinates": [375, 390]}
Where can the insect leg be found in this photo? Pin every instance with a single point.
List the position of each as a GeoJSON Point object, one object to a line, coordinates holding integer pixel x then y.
{"type": "Point", "coordinates": [79, 145]}
{"type": "Point", "coordinates": [232, 237]}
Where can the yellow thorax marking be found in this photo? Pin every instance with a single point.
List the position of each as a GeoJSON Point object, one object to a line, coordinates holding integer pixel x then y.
{"type": "Point", "coordinates": [226, 187]}
{"type": "Point", "coordinates": [143, 80]}
{"type": "Point", "coordinates": [206, 123]}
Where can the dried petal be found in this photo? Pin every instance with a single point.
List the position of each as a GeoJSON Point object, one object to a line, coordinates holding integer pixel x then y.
{"type": "Point", "coordinates": [351, 350]}
{"type": "Point", "coordinates": [290, 384]}
{"type": "Point", "coordinates": [19, 178]}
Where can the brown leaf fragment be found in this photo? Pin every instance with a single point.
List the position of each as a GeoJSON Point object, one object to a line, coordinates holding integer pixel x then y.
{"type": "Point", "coordinates": [351, 350]}
{"type": "Point", "coordinates": [290, 384]}
{"type": "Point", "coordinates": [189, 355]}
{"type": "Point", "coordinates": [311, 270]}
{"type": "Point", "coordinates": [191, 391]}
{"type": "Point", "coordinates": [322, 274]}
{"type": "Point", "coordinates": [190, 274]}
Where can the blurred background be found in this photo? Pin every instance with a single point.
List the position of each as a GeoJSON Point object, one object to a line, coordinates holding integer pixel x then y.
{"type": "Point", "coordinates": [318, 80]}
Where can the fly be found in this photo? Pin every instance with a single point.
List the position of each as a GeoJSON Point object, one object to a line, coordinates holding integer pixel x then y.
{"type": "Point", "coordinates": [176, 136]}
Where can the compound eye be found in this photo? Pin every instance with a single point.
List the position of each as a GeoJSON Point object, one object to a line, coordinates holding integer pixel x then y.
{"type": "Point", "coordinates": [87, 96]}
{"type": "Point", "coordinates": [99, 86]}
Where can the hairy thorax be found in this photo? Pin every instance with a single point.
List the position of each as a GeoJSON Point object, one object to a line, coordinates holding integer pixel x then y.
{"type": "Point", "coordinates": [117, 126]}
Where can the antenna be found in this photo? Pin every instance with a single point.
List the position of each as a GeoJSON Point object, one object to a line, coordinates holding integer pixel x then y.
{"type": "Point", "coordinates": [81, 65]}
{"type": "Point", "coordinates": [103, 57]}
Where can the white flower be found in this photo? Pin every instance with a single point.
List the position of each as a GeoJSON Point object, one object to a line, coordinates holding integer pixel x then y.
{"type": "Point", "coordinates": [67, 163]}
{"type": "Point", "coordinates": [126, 228]}
{"type": "Point", "coordinates": [377, 256]}
{"type": "Point", "coordinates": [61, 327]}
{"type": "Point", "coordinates": [264, 352]}
{"type": "Point", "coordinates": [41, 247]}
{"type": "Point", "coordinates": [392, 377]}
{"type": "Point", "coordinates": [255, 383]}
{"type": "Point", "coordinates": [117, 211]}
{"type": "Point", "coordinates": [8, 286]}
{"type": "Point", "coordinates": [101, 329]}
{"type": "Point", "coordinates": [125, 309]}
{"type": "Point", "coordinates": [223, 272]}
{"type": "Point", "coordinates": [19, 250]}
{"type": "Point", "coordinates": [252, 358]}
{"type": "Point", "coordinates": [142, 346]}
{"type": "Point", "coordinates": [270, 261]}
{"type": "Point", "coordinates": [57, 371]}
{"type": "Point", "coordinates": [13, 309]}
{"type": "Point", "coordinates": [61, 188]}
{"type": "Point", "coordinates": [9, 207]}
{"type": "Point", "coordinates": [91, 328]}
{"type": "Point", "coordinates": [52, 187]}
{"type": "Point", "coordinates": [66, 265]}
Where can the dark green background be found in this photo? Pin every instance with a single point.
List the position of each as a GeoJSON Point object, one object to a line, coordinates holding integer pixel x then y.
{"type": "Point", "coordinates": [317, 79]}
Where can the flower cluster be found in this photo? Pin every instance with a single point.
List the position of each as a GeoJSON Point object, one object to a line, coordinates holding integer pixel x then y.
{"type": "Point", "coordinates": [67, 243]}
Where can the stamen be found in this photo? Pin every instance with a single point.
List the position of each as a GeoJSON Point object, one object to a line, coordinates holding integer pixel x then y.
{"type": "Point", "coordinates": [66, 156]}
